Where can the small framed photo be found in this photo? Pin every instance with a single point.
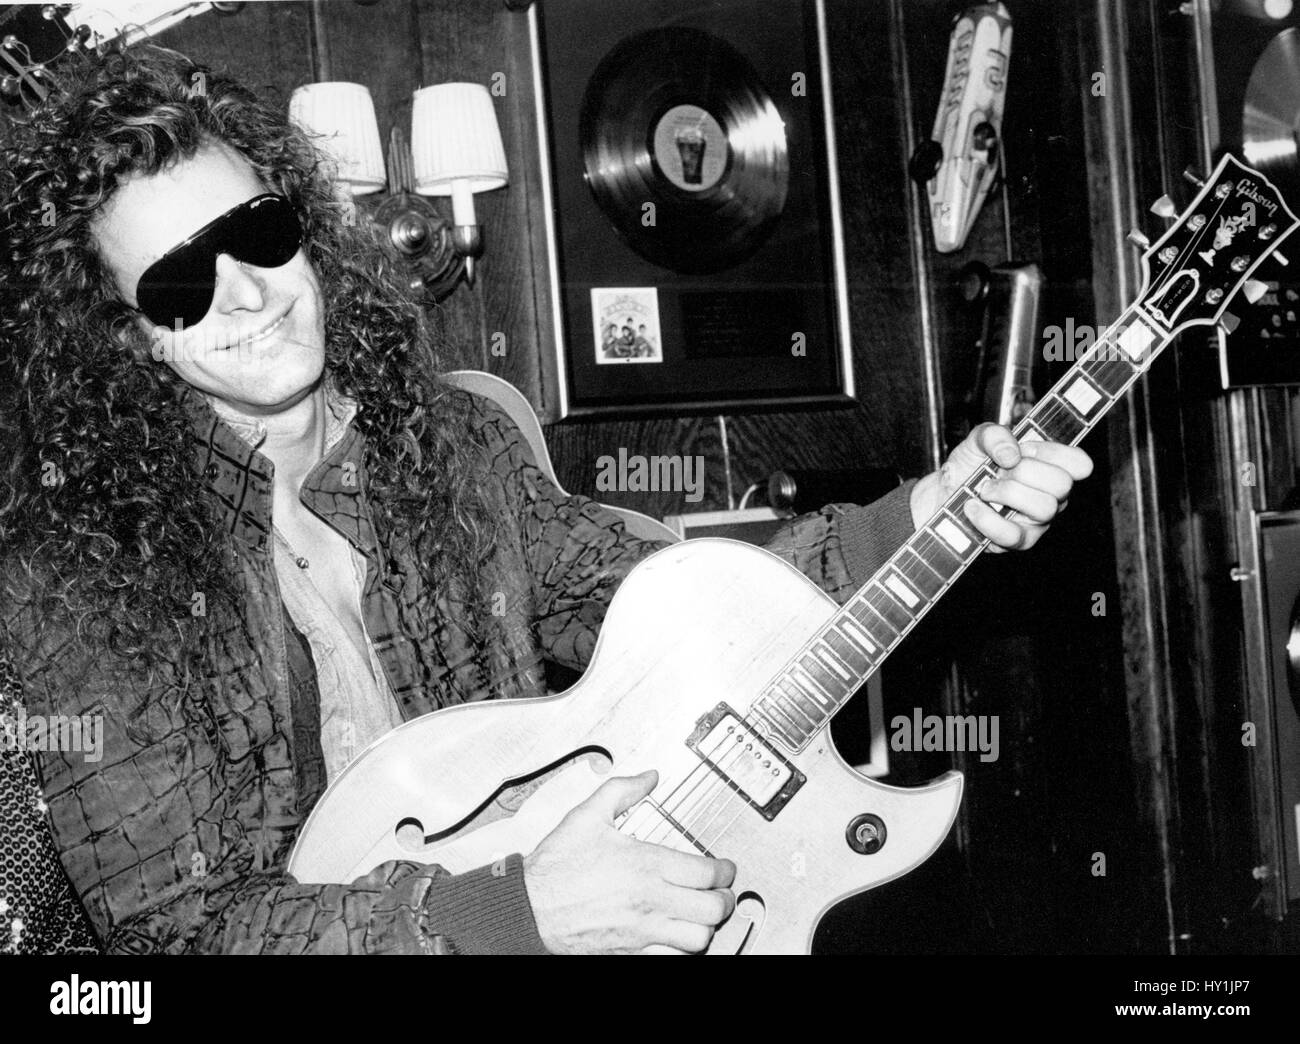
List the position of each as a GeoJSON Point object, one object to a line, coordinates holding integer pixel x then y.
{"type": "Point", "coordinates": [626, 325]}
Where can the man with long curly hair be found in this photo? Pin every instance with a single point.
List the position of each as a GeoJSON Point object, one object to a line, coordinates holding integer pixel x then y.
{"type": "Point", "coordinates": [245, 525]}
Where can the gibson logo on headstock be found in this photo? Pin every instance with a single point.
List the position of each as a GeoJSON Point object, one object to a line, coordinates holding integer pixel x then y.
{"type": "Point", "coordinates": [1247, 188]}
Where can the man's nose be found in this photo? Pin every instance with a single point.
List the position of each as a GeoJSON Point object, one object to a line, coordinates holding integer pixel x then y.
{"type": "Point", "coordinates": [238, 288]}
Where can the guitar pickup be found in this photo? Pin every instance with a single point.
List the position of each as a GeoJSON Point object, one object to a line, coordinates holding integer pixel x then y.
{"type": "Point", "coordinates": [745, 760]}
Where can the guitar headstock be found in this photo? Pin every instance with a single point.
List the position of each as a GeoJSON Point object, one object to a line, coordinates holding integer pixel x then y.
{"type": "Point", "coordinates": [33, 39]}
{"type": "Point", "coordinates": [1209, 252]}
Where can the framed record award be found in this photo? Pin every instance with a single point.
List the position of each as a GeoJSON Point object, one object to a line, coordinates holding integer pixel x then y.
{"type": "Point", "coordinates": [693, 235]}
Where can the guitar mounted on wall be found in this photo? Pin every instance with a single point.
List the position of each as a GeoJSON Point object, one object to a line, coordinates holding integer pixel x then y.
{"type": "Point", "coordinates": [730, 694]}
{"type": "Point", "coordinates": [34, 38]}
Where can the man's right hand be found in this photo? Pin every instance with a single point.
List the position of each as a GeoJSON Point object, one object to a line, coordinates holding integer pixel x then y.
{"type": "Point", "coordinates": [595, 890]}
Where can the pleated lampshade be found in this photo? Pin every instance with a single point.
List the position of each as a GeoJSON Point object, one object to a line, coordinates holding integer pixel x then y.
{"type": "Point", "coordinates": [343, 115]}
{"type": "Point", "coordinates": [456, 145]}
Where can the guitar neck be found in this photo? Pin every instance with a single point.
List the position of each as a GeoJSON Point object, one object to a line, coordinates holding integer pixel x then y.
{"type": "Point", "coordinates": [819, 679]}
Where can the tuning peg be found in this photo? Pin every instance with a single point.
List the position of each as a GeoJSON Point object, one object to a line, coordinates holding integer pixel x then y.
{"type": "Point", "coordinates": [1280, 258]}
{"type": "Point", "coordinates": [1229, 322]}
{"type": "Point", "coordinates": [1253, 290]}
{"type": "Point", "coordinates": [1164, 207]}
{"type": "Point", "coordinates": [1191, 175]}
{"type": "Point", "coordinates": [1139, 239]}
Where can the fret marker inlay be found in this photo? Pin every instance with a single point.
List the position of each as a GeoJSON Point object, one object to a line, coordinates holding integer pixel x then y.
{"type": "Point", "coordinates": [905, 594]}
{"type": "Point", "coordinates": [1082, 396]}
{"type": "Point", "coordinates": [1136, 339]}
{"type": "Point", "coordinates": [950, 533]}
{"type": "Point", "coordinates": [858, 635]}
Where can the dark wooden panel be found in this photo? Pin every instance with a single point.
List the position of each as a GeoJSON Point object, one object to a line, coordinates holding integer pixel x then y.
{"type": "Point", "coordinates": [265, 45]}
{"type": "Point", "coordinates": [1020, 629]}
{"type": "Point", "coordinates": [479, 43]}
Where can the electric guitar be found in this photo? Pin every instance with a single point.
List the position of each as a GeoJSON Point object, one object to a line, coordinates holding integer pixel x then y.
{"type": "Point", "coordinates": [729, 691]}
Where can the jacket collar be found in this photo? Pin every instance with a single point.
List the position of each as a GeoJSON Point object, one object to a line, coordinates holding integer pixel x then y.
{"type": "Point", "coordinates": [225, 451]}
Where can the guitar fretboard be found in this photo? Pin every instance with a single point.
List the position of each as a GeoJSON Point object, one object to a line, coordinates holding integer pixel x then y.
{"type": "Point", "coordinates": [819, 679]}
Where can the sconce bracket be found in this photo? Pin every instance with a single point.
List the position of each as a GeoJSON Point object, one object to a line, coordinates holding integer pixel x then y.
{"type": "Point", "coordinates": [419, 239]}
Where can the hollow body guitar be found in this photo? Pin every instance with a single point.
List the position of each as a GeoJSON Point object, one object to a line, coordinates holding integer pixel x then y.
{"type": "Point", "coordinates": [720, 666]}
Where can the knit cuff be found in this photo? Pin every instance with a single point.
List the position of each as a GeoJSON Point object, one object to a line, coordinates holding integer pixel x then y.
{"type": "Point", "coordinates": [485, 910]}
{"type": "Point", "coordinates": [869, 535]}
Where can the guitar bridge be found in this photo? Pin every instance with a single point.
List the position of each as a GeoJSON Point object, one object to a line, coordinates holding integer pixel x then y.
{"type": "Point", "coordinates": [745, 760]}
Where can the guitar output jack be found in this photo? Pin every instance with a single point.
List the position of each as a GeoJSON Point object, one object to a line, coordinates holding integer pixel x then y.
{"type": "Point", "coordinates": [866, 834]}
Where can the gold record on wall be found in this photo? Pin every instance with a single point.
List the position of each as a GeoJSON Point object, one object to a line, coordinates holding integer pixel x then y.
{"type": "Point", "coordinates": [675, 125]}
{"type": "Point", "coordinates": [693, 234]}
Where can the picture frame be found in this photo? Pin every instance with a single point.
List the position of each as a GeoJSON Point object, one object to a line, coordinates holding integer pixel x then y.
{"type": "Point", "coordinates": [693, 240]}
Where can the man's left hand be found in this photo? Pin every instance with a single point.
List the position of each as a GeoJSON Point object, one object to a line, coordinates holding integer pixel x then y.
{"type": "Point", "coordinates": [1034, 479]}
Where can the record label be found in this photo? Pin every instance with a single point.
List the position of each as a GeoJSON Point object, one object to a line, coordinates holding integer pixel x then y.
{"type": "Point", "coordinates": [691, 148]}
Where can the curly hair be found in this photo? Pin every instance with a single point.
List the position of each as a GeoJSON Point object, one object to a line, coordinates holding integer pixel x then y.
{"type": "Point", "coordinates": [100, 505]}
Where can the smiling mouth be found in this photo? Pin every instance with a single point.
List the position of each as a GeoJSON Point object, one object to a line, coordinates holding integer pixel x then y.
{"type": "Point", "coordinates": [266, 331]}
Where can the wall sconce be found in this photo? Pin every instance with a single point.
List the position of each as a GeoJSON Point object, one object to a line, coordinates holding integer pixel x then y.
{"type": "Point", "coordinates": [457, 151]}
{"type": "Point", "coordinates": [341, 118]}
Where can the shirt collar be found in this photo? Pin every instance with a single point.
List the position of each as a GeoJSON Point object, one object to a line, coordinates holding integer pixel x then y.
{"type": "Point", "coordinates": [339, 411]}
{"type": "Point", "coordinates": [225, 451]}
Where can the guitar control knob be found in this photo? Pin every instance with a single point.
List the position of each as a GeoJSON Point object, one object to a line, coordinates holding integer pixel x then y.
{"type": "Point", "coordinates": [866, 834]}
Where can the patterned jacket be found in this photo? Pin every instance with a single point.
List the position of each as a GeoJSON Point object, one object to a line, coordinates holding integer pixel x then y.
{"type": "Point", "coordinates": [177, 841]}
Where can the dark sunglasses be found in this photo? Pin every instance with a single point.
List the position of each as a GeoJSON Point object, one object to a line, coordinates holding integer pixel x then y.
{"type": "Point", "coordinates": [179, 286]}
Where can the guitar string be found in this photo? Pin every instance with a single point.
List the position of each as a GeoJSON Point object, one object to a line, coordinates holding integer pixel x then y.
{"type": "Point", "coordinates": [706, 776]}
{"type": "Point", "coordinates": [703, 770]}
{"type": "Point", "coordinates": [729, 794]}
{"type": "Point", "coordinates": [724, 789]}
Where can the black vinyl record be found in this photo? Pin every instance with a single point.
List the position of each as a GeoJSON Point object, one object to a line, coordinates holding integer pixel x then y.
{"type": "Point", "coordinates": [684, 150]}
{"type": "Point", "coordinates": [1270, 128]}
